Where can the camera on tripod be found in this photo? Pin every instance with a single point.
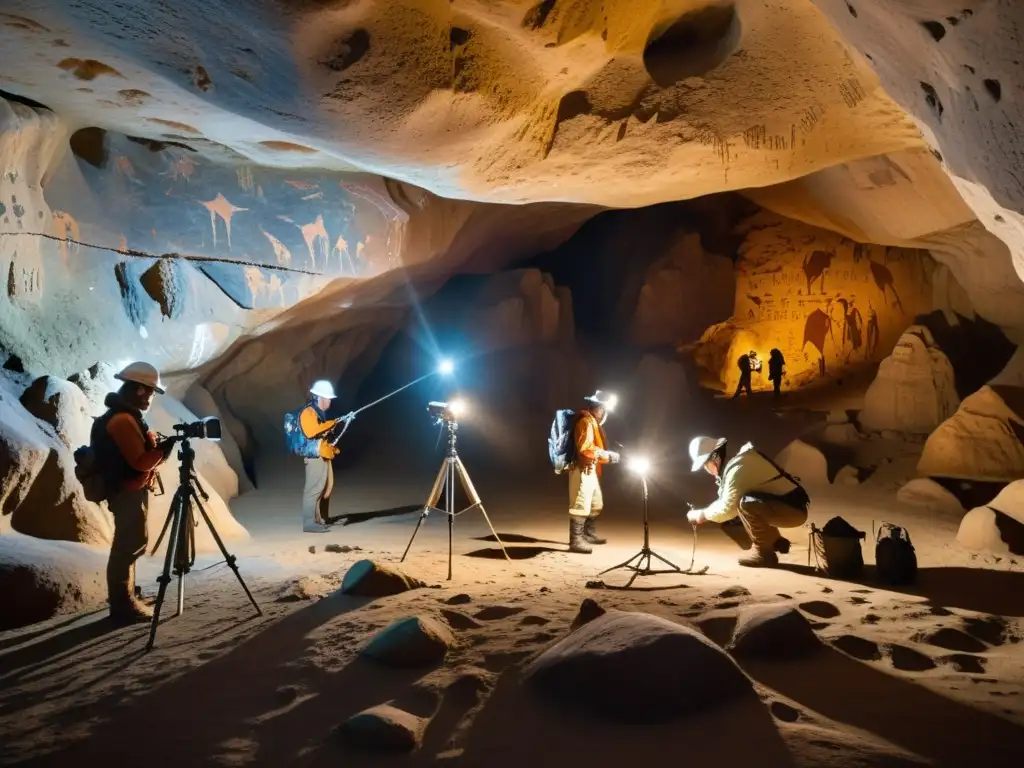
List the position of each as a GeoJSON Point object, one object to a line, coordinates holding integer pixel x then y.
{"type": "Point", "coordinates": [446, 412]}
{"type": "Point", "coordinates": [204, 429]}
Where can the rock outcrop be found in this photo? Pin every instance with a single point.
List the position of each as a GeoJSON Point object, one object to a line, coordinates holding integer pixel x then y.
{"type": "Point", "coordinates": [915, 389]}
{"type": "Point", "coordinates": [777, 632]}
{"type": "Point", "coordinates": [805, 462]}
{"type": "Point", "coordinates": [411, 642]}
{"type": "Point", "coordinates": [998, 526]}
{"type": "Point", "coordinates": [983, 440]}
{"type": "Point", "coordinates": [367, 578]}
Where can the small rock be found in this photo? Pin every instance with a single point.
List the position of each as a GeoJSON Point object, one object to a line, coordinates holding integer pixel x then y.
{"type": "Point", "coordinates": [545, 589]}
{"type": "Point", "coordinates": [589, 610]}
{"type": "Point", "coordinates": [459, 620]}
{"type": "Point", "coordinates": [367, 578]}
{"type": "Point", "coordinates": [837, 416]}
{"type": "Point", "coordinates": [312, 549]}
{"type": "Point", "coordinates": [772, 632]}
{"type": "Point", "coordinates": [637, 668]}
{"type": "Point", "coordinates": [342, 548]}
{"type": "Point", "coordinates": [460, 599]}
{"type": "Point", "coordinates": [385, 728]}
{"type": "Point", "coordinates": [735, 592]}
{"type": "Point", "coordinates": [493, 612]}
{"type": "Point", "coordinates": [841, 434]}
{"type": "Point", "coordinates": [847, 476]}
{"type": "Point", "coordinates": [410, 642]}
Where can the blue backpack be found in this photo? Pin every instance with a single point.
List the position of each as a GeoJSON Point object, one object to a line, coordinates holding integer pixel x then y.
{"type": "Point", "coordinates": [562, 441]}
{"type": "Point", "coordinates": [295, 439]}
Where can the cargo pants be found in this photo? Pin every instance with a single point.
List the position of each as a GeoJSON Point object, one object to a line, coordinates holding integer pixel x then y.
{"type": "Point", "coordinates": [316, 495]}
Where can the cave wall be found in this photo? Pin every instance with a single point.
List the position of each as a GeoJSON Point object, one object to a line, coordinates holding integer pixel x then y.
{"type": "Point", "coordinates": [828, 303]}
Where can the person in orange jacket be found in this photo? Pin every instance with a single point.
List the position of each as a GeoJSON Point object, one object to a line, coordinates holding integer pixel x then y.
{"type": "Point", "coordinates": [585, 499]}
{"type": "Point", "coordinates": [129, 455]}
{"type": "Point", "coordinates": [320, 451]}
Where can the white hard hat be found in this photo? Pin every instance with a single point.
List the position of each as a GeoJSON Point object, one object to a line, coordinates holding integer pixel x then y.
{"type": "Point", "coordinates": [701, 449]}
{"type": "Point", "coordinates": [323, 388]}
{"type": "Point", "coordinates": [608, 400]}
{"type": "Point", "coordinates": [141, 373]}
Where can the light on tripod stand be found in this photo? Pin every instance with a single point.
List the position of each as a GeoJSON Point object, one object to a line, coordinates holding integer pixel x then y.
{"type": "Point", "coordinates": [639, 465]}
{"type": "Point", "coordinates": [458, 406]}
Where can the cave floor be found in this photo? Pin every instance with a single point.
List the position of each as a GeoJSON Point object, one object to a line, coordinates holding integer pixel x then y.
{"type": "Point", "coordinates": [927, 675]}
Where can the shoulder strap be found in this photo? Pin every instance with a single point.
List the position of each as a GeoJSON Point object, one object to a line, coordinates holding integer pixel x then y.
{"type": "Point", "coordinates": [782, 473]}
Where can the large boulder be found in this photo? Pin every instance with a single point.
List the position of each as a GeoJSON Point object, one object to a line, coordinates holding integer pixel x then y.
{"type": "Point", "coordinates": [634, 667]}
{"type": "Point", "coordinates": [805, 462]}
{"type": "Point", "coordinates": [384, 728]}
{"type": "Point", "coordinates": [411, 642]}
{"type": "Point", "coordinates": [38, 487]}
{"type": "Point", "coordinates": [683, 293]}
{"type": "Point", "coordinates": [998, 526]}
{"type": "Point", "coordinates": [981, 441]}
{"type": "Point", "coordinates": [915, 388]}
{"type": "Point", "coordinates": [63, 406]}
{"type": "Point", "coordinates": [925, 492]}
{"type": "Point", "coordinates": [368, 578]}
{"type": "Point", "coordinates": [774, 632]}
{"type": "Point", "coordinates": [42, 579]}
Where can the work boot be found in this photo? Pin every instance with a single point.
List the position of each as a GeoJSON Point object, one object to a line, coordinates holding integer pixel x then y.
{"type": "Point", "coordinates": [590, 532]}
{"type": "Point", "coordinates": [135, 595]}
{"type": "Point", "coordinates": [759, 559]}
{"type": "Point", "coordinates": [781, 545]}
{"type": "Point", "coordinates": [576, 536]}
{"type": "Point", "coordinates": [123, 607]}
{"type": "Point", "coordinates": [315, 528]}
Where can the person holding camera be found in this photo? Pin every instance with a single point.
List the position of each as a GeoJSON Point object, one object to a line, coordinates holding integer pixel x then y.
{"type": "Point", "coordinates": [318, 452]}
{"type": "Point", "coordinates": [128, 455]}
{"type": "Point", "coordinates": [752, 487]}
{"type": "Point", "coordinates": [585, 499]}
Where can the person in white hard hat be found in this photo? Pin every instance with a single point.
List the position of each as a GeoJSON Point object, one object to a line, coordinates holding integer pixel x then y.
{"type": "Point", "coordinates": [586, 501]}
{"type": "Point", "coordinates": [128, 455]}
{"type": "Point", "coordinates": [752, 487]}
{"type": "Point", "coordinates": [318, 456]}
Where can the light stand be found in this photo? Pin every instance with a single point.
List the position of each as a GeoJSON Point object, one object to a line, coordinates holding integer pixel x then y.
{"type": "Point", "coordinates": [181, 547]}
{"type": "Point", "coordinates": [643, 558]}
{"type": "Point", "coordinates": [445, 481]}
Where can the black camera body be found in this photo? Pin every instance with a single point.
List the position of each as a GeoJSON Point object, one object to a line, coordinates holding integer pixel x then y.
{"type": "Point", "coordinates": [204, 429]}
{"type": "Point", "coordinates": [441, 412]}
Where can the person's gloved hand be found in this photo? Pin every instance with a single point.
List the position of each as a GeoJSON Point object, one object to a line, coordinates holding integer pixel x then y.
{"type": "Point", "coordinates": [349, 417]}
{"type": "Point", "coordinates": [695, 516]}
{"type": "Point", "coordinates": [613, 457]}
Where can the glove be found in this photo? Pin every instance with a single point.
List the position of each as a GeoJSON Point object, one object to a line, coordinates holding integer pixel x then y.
{"type": "Point", "coordinates": [613, 457]}
{"type": "Point", "coordinates": [695, 516]}
{"type": "Point", "coordinates": [349, 417]}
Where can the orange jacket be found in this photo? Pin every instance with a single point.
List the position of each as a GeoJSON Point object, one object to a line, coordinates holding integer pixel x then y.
{"type": "Point", "coordinates": [589, 440]}
{"type": "Point", "coordinates": [139, 450]}
{"type": "Point", "coordinates": [312, 427]}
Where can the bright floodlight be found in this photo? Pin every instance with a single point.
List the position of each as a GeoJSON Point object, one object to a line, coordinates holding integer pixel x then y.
{"type": "Point", "coordinates": [446, 367]}
{"type": "Point", "coordinates": [611, 402]}
{"type": "Point", "coordinates": [640, 465]}
{"type": "Point", "coordinates": [457, 406]}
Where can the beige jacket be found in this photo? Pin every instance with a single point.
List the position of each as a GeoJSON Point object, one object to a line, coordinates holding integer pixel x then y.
{"type": "Point", "coordinates": [747, 472]}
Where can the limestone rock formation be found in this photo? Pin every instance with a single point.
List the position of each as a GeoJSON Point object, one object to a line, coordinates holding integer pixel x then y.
{"type": "Point", "coordinates": [805, 462]}
{"type": "Point", "coordinates": [828, 303]}
{"type": "Point", "coordinates": [384, 728]}
{"type": "Point", "coordinates": [368, 578]}
{"type": "Point", "coordinates": [519, 308]}
{"type": "Point", "coordinates": [925, 492]}
{"type": "Point", "coordinates": [772, 632]}
{"type": "Point", "coordinates": [847, 475]}
{"type": "Point", "coordinates": [983, 440]}
{"type": "Point", "coordinates": [42, 579]}
{"type": "Point", "coordinates": [684, 292]}
{"type": "Point", "coordinates": [915, 389]}
{"type": "Point", "coordinates": [635, 667]}
{"type": "Point", "coordinates": [411, 642]}
{"type": "Point", "coordinates": [63, 406]}
{"type": "Point", "coordinates": [200, 402]}
{"type": "Point", "coordinates": [998, 526]}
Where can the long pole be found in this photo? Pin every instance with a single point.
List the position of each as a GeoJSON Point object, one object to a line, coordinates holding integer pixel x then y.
{"type": "Point", "coordinates": [392, 394]}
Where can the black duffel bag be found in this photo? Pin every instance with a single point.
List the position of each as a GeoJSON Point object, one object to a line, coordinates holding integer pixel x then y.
{"type": "Point", "coordinates": [837, 549]}
{"type": "Point", "coordinates": [895, 558]}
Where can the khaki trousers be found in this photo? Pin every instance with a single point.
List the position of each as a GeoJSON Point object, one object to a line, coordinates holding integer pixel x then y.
{"type": "Point", "coordinates": [762, 519]}
{"type": "Point", "coordinates": [131, 538]}
{"type": "Point", "coordinates": [585, 499]}
{"type": "Point", "coordinates": [316, 495]}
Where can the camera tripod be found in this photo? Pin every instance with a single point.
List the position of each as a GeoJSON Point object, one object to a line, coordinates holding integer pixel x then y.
{"type": "Point", "coordinates": [181, 547]}
{"type": "Point", "coordinates": [645, 557]}
{"type": "Point", "coordinates": [445, 481]}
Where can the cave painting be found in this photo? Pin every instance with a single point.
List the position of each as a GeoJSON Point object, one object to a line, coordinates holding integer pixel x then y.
{"type": "Point", "coordinates": [66, 228]}
{"type": "Point", "coordinates": [220, 207]}
{"type": "Point", "coordinates": [277, 218]}
{"type": "Point", "coordinates": [823, 327]}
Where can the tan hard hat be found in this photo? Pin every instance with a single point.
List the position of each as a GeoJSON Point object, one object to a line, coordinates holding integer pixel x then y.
{"type": "Point", "coordinates": [141, 373]}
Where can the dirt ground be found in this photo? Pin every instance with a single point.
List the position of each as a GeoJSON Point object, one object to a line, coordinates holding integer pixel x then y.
{"type": "Point", "coordinates": [928, 675]}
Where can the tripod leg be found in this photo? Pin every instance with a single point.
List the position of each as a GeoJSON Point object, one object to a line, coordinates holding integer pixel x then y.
{"type": "Point", "coordinates": [165, 577]}
{"type": "Point", "coordinates": [185, 550]}
{"type": "Point", "coordinates": [450, 503]}
{"type": "Point", "coordinates": [626, 564]}
{"type": "Point", "coordinates": [230, 559]}
{"type": "Point", "coordinates": [669, 563]}
{"type": "Point", "coordinates": [474, 498]}
{"type": "Point", "coordinates": [435, 494]}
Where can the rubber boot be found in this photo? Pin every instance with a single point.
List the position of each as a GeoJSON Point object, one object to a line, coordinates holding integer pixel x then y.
{"type": "Point", "coordinates": [590, 532]}
{"type": "Point", "coordinates": [576, 536]}
{"type": "Point", "coordinates": [760, 559]}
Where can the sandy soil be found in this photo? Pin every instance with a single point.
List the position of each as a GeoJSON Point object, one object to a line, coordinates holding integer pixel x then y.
{"type": "Point", "coordinates": [928, 675]}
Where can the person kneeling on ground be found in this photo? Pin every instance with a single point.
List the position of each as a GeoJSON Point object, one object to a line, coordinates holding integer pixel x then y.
{"type": "Point", "coordinates": [752, 487]}
{"type": "Point", "coordinates": [128, 454]}
{"type": "Point", "coordinates": [585, 499]}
